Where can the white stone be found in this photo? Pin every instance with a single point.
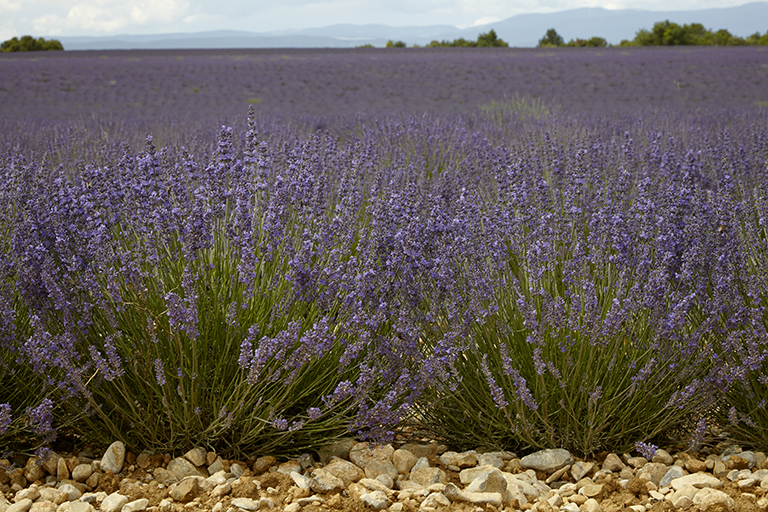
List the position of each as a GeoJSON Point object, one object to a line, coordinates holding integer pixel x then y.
{"type": "Point", "coordinates": [81, 472]}
{"type": "Point", "coordinates": [375, 499]}
{"type": "Point", "coordinates": [30, 493]}
{"type": "Point", "coordinates": [591, 505]}
{"type": "Point", "coordinates": [698, 480]}
{"type": "Point", "coordinates": [460, 460]}
{"type": "Point", "coordinates": [362, 453]}
{"type": "Point", "coordinates": [422, 462]}
{"type": "Point", "coordinates": [73, 493]}
{"type": "Point", "coordinates": [80, 506]}
{"type": "Point", "coordinates": [113, 503]}
{"type": "Point", "coordinates": [196, 456]}
{"type": "Point", "coordinates": [435, 500]}
{"type": "Point", "coordinates": [490, 459]}
{"type": "Point", "coordinates": [374, 485]}
{"type": "Point", "coordinates": [301, 481]}
{"type": "Point", "coordinates": [477, 498]}
{"type": "Point", "coordinates": [708, 496]}
{"type": "Point", "coordinates": [246, 504]}
{"type": "Point", "coordinates": [467, 476]}
{"type": "Point", "coordinates": [221, 490]}
{"type": "Point", "coordinates": [427, 476]}
{"type": "Point", "coordinates": [671, 474]}
{"type": "Point", "coordinates": [136, 505]}
{"type": "Point", "coordinates": [403, 461]}
{"type": "Point", "coordinates": [293, 507]}
{"type": "Point", "coordinates": [182, 468]}
{"type": "Point", "coordinates": [266, 503]}
{"type": "Point", "coordinates": [20, 506]}
{"type": "Point", "coordinates": [493, 481]}
{"type": "Point", "coordinates": [237, 470]}
{"type": "Point", "coordinates": [514, 482]}
{"type": "Point", "coordinates": [547, 461]}
{"type": "Point", "coordinates": [114, 457]}
{"type": "Point", "coordinates": [324, 482]}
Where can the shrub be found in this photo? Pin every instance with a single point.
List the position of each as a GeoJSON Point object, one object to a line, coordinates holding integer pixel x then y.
{"type": "Point", "coordinates": [30, 44]}
{"type": "Point", "coordinates": [594, 338]}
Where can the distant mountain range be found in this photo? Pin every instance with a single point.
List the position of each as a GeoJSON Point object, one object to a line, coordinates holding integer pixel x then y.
{"type": "Point", "coordinates": [523, 30]}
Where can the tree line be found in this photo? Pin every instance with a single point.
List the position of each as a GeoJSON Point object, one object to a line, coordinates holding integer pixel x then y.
{"type": "Point", "coordinates": [30, 44]}
{"type": "Point", "coordinates": [664, 33]}
{"type": "Point", "coordinates": [487, 40]}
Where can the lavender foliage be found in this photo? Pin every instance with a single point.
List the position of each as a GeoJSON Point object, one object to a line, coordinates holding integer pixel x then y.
{"type": "Point", "coordinates": [569, 272]}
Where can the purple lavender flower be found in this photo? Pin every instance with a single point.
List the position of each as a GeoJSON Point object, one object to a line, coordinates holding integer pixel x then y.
{"type": "Point", "coordinates": [647, 450]}
{"type": "Point", "coordinates": [5, 418]}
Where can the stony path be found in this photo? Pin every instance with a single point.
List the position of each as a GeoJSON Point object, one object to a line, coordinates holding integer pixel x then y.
{"type": "Point", "coordinates": [415, 477]}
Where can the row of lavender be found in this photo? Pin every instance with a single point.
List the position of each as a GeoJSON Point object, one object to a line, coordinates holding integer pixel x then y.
{"type": "Point", "coordinates": [578, 282]}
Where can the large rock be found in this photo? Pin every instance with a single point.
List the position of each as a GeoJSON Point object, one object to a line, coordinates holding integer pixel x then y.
{"type": "Point", "coordinates": [62, 471]}
{"type": "Point", "coordinates": [491, 459]}
{"type": "Point", "coordinates": [196, 456]}
{"type": "Point", "coordinates": [375, 499]}
{"type": "Point", "coordinates": [80, 506]}
{"type": "Point", "coordinates": [114, 457]}
{"type": "Point", "coordinates": [672, 473]}
{"type": "Point", "coordinates": [428, 476]}
{"type": "Point", "coordinates": [135, 506]}
{"type": "Point", "coordinates": [20, 506]}
{"type": "Point", "coordinates": [30, 493]}
{"type": "Point", "coordinates": [459, 460]}
{"type": "Point", "coordinates": [403, 461]}
{"type": "Point", "coordinates": [338, 449]}
{"type": "Point", "coordinates": [73, 493]}
{"type": "Point", "coordinates": [81, 472]}
{"type": "Point", "coordinates": [435, 500]}
{"type": "Point", "coordinates": [613, 463]}
{"type": "Point", "coordinates": [518, 485]}
{"type": "Point", "coordinates": [547, 461]}
{"type": "Point", "coordinates": [493, 481]}
{"type": "Point", "coordinates": [362, 453]}
{"type": "Point", "coordinates": [709, 497]}
{"type": "Point", "coordinates": [698, 480]}
{"type": "Point", "coordinates": [467, 476]}
{"type": "Point", "coordinates": [453, 493]}
{"type": "Point", "coordinates": [377, 467]}
{"type": "Point", "coordinates": [246, 504]}
{"type": "Point", "coordinates": [113, 503]}
{"type": "Point", "coordinates": [186, 490]}
{"type": "Point", "coordinates": [345, 470]}
{"type": "Point", "coordinates": [182, 468]}
{"type": "Point", "coordinates": [653, 472]}
{"type": "Point", "coordinates": [581, 469]}
{"type": "Point", "coordinates": [324, 482]}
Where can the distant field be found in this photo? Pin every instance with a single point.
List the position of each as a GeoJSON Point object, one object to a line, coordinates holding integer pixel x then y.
{"type": "Point", "coordinates": [220, 84]}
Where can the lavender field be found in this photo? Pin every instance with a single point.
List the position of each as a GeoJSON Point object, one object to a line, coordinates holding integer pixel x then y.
{"type": "Point", "coordinates": [260, 251]}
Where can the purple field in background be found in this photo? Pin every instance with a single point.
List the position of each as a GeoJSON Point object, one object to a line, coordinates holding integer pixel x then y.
{"type": "Point", "coordinates": [517, 249]}
{"type": "Point", "coordinates": [220, 84]}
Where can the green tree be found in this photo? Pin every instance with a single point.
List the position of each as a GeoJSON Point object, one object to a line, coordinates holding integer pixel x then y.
{"type": "Point", "coordinates": [490, 39]}
{"type": "Point", "coordinates": [592, 42]}
{"type": "Point", "coordinates": [551, 38]}
{"type": "Point", "coordinates": [395, 44]}
{"type": "Point", "coordinates": [487, 40]}
{"type": "Point", "coordinates": [30, 44]}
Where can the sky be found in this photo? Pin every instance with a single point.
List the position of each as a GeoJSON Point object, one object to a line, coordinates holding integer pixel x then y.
{"type": "Point", "coordinates": [50, 18]}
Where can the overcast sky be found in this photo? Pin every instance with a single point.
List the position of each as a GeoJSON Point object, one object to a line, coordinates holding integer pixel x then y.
{"type": "Point", "coordinates": [108, 17]}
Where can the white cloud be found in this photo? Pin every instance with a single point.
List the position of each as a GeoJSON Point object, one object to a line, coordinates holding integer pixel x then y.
{"type": "Point", "coordinates": [159, 11]}
{"type": "Point", "coordinates": [486, 20]}
{"type": "Point", "coordinates": [112, 15]}
{"type": "Point", "coordinates": [7, 6]}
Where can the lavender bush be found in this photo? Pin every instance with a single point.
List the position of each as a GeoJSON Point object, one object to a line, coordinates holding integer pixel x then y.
{"type": "Point", "coordinates": [614, 269]}
{"type": "Point", "coordinates": [516, 271]}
